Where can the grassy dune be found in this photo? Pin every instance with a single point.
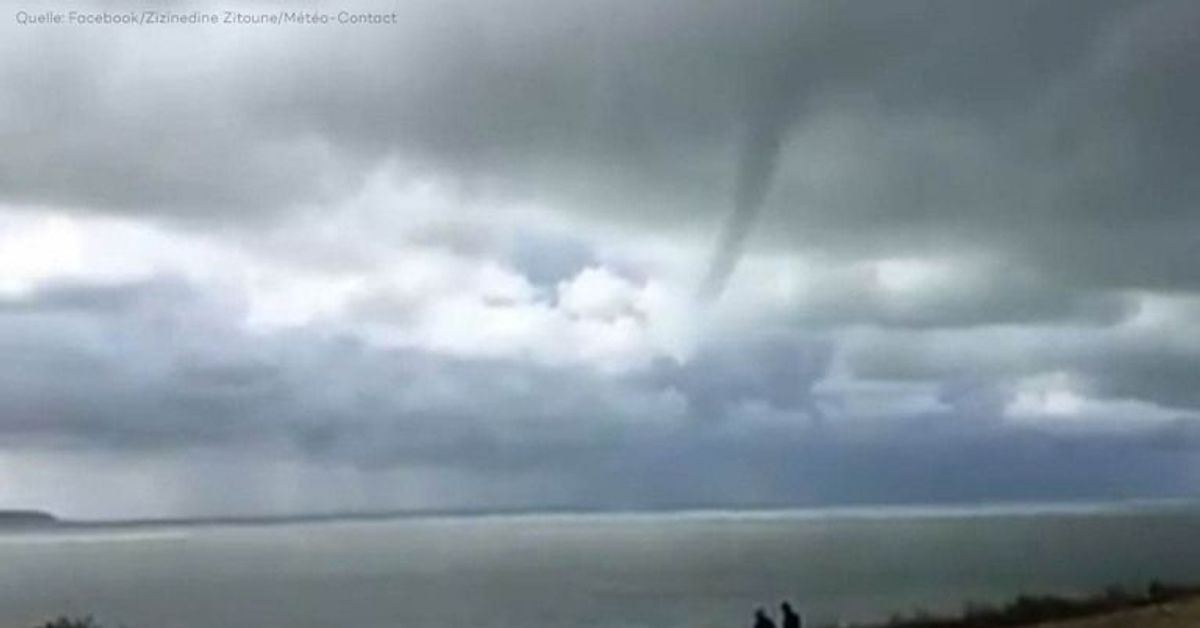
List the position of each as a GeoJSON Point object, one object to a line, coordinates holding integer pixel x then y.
{"type": "Point", "coordinates": [1179, 614]}
{"type": "Point", "coordinates": [1158, 606]}
{"type": "Point", "coordinates": [1115, 606]}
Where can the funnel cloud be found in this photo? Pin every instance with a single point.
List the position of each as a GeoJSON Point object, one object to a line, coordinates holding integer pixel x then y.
{"type": "Point", "coordinates": [766, 126]}
{"type": "Point", "coordinates": [759, 160]}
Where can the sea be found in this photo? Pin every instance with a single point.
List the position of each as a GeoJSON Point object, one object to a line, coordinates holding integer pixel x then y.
{"type": "Point", "coordinates": [661, 570]}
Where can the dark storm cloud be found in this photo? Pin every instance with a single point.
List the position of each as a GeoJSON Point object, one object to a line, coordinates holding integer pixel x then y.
{"type": "Point", "coordinates": [152, 364]}
{"type": "Point", "coordinates": [98, 123]}
{"type": "Point", "coordinates": [112, 366]}
{"type": "Point", "coordinates": [999, 294]}
{"type": "Point", "coordinates": [899, 464]}
{"type": "Point", "coordinates": [1055, 140]}
{"type": "Point", "coordinates": [1156, 367]}
{"type": "Point", "coordinates": [1054, 132]}
{"type": "Point", "coordinates": [547, 259]}
{"type": "Point", "coordinates": [772, 368]}
{"type": "Point", "coordinates": [134, 368]}
{"type": "Point", "coordinates": [1166, 375]}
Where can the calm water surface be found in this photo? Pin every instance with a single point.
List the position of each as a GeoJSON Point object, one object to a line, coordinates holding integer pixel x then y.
{"type": "Point", "coordinates": [696, 570]}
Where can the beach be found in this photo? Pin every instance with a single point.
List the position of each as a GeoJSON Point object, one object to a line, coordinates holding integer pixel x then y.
{"type": "Point", "coordinates": [1181, 614]}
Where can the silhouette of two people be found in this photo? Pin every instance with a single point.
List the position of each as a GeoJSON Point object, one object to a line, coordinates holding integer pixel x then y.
{"type": "Point", "coordinates": [791, 619]}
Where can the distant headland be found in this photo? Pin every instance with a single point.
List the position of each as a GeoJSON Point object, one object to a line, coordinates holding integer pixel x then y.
{"type": "Point", "coordinates": [26, 518]}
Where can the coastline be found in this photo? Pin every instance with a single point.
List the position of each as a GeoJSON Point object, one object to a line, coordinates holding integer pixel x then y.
{"type": "Point", "coordinates": [1158, 605]}
{"type": "Point", "coordinates": [850, 512]}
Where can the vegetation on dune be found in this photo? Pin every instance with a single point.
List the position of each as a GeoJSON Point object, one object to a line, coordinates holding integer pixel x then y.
{"type": "Point", "coordinates": [1025, 610]}
{"type": "Point", "coordinates": [26, 518]}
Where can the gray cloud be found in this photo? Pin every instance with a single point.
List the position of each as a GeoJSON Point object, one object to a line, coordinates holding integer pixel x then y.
{"type": "Point", "coordinates": [1053, 140]}
{"type": "Point", "coordinates": [995, 295]}
{"type": "Point", "coordinates": [96, 125]}
{"type": "Point", "coordinates": [901, 131]}
{"type": "Point", "coordinates": [1144, 366]}
{"type": "Point", "coordinates": [134, 368]}
{"type": "Point", "coordinates": [1055, 133]}
{"type": "Point", "coordinates": [777, 369]}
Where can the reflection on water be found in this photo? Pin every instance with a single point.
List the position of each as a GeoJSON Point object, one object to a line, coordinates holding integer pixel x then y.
{"type": "Point", "coordinates": [698, 569]}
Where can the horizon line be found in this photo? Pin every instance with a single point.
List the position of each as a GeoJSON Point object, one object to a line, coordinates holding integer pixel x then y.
{"type": "Point", "coordinates": [849, 510]}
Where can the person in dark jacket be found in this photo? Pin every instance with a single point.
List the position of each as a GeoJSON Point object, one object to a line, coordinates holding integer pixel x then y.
{"type": "Point", "coordinates": [761, 620]}
{"type": "Point", "coordinates": [791, 619]}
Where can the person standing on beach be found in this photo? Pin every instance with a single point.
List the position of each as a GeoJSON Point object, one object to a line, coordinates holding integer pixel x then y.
{"type": "Point", "coordinates": [791, 619]}
{"type": "Point", "coordinates": [761, 620]}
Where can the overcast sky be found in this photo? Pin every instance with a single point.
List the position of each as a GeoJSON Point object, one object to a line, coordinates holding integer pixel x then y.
{"type": "Point", "coordinates": [601, 253]}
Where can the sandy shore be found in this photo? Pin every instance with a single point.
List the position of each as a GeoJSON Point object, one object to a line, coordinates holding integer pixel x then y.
{"type": "Point", "coordinates": [1168, 615]}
